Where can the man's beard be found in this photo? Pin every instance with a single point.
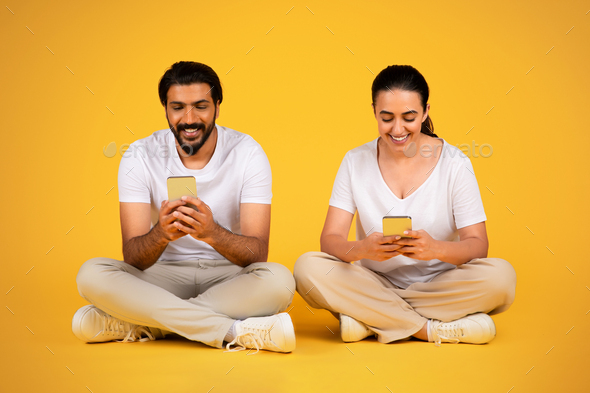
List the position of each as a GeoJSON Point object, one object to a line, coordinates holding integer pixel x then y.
{"type": "Point", "coordinates": [192, 148]}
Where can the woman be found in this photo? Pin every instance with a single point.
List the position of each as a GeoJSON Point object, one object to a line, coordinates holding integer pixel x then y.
{"type": "Point", "coordinates": [436, 286]}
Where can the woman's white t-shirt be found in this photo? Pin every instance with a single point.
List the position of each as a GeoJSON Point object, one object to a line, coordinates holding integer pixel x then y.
{"type": "Point", "coordinates": [238, 172]}
{"type": "Point", "coordinates": [448, 200]}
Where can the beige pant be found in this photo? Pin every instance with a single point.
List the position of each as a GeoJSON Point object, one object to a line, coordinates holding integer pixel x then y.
{"type": "Point", "coordinates": [197, 299]}
{"type": "Point", "coordinates": [481, 285]}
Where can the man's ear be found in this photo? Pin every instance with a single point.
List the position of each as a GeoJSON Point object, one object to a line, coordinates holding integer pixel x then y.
{"type": "Point", "coordinates": [217, 109]}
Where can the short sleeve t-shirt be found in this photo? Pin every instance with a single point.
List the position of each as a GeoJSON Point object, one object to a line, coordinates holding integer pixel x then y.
{"type": "Point", "coordinates": [238, 172]}
{"type": "Point", "coordinates": [447, 201]}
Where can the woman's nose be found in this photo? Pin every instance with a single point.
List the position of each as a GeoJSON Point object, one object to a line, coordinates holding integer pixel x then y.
{"type": "Point", "coordinates": [397, 127]}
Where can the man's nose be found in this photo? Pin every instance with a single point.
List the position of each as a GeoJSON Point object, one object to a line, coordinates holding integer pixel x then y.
{"type": "Point", "coordinates": [190, 116]}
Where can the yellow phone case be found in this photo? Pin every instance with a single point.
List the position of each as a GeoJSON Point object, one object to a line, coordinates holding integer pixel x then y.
{"type": "Point", "coordinates": [396, 225]}
{"type": "Point", "coordinates": [179, 186]}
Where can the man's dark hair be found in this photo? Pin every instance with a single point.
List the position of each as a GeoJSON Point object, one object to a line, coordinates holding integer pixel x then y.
{"type": "Point", "coordinates": [189, 72]}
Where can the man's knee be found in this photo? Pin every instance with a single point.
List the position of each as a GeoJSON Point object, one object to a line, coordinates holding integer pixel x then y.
{"type": "Point", "coordinates": [279, 285]}
{"type": "Point", "coordinates": [90, 274]}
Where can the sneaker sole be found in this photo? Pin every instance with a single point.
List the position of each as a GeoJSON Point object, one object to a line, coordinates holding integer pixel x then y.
{"type": "Point", "coordinates": [345, 327]}
{"type": "Point", "coordinates": [288, 331]}
{"type": "Point", "coordinates": [77, 322]}
{"type": "Point", "coordinates": [345, 322]}
{"type": "Point", "coordinates": [487, 324]}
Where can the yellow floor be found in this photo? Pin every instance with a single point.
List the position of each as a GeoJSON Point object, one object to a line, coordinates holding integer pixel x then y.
{"type": "Point", "coordinates": [53, 360]}
{"type": "Point", "coordinates": [76, 77]}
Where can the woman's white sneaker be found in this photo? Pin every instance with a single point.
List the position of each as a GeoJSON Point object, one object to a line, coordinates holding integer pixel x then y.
{"type": "Point", "coordinates": [93, 325]}
{"type": "Point", "coordinates": [274, 333]}
{"type": "Point", "coordinates": [352, 330]}
{"type": "Point", "coordinates": [472, 329]}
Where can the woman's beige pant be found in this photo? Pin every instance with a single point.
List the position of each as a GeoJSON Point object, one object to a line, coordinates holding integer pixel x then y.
{"type": "Point", "coordinates": [482, 285]}
{"type": "Point", "coordinates": [197, 299]}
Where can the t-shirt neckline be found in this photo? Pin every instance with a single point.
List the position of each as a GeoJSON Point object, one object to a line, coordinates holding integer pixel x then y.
{"type": "Point", "coordinates": [208, 167]}
{"type": "Point", "coordinates": [384, 183]}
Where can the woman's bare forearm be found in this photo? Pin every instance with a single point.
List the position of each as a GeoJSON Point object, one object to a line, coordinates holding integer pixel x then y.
{"type": "Point", "coordinates": [341, 248]}
{"type": "Point", "coordinates": [458, 253]}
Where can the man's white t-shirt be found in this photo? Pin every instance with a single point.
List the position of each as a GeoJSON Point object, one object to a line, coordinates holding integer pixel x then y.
{"type": "Point", "coordinates": [448, 200]}
{"type": "Point", "coordinates": [238, 172]}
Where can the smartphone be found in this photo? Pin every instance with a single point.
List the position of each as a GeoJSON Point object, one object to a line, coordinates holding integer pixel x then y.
{"type": "Point", "coordinates": [179, 186]}
{"type": "Point", "coordinates": [396, 225]}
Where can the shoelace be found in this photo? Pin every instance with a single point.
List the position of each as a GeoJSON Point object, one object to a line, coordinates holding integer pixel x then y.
{"type": "Point", "coordinates": [135, 334]}
{"type": "Point", "coordinates": [244, 341]}
{"type": "Point", "coordinates": [114, 327]}
{"type": "Point", "coordinates": [256, 336]}
{"type": "Point", "coordinates": [447, 331]}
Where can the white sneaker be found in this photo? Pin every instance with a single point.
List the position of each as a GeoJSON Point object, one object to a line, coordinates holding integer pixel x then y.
{"type": "Point", "coordinates": [93, 325]}
{"type": "Point", "coordinates": [274, 333]}
{"type": "Point", "coordinates": [352, 330]}
{"type": "Point", "coordinates": [472, 329]}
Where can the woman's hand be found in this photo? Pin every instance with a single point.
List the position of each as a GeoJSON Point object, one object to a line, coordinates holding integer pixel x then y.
{"type": "Point", "coordinates": [378, 247]}
{"type": "Point", "coordinates": [422, 246]}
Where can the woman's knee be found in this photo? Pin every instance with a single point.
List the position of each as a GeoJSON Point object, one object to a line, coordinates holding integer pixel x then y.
{"type": "Point", "coordinates": [500, 281]}
{"type": "Point", "coordinates": [307, 266]}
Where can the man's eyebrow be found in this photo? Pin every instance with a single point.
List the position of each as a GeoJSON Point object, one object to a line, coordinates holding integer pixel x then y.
{"type": "Point", "coordinates": [194, 103]}
{"type": "Point", "coordinates": [384, 112]}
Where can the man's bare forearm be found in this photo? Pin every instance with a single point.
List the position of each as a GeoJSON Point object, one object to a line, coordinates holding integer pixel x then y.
{"type": "Point", "coordinates": [143, 251]}
{"type": "Point", "coordinates": [241, 250]}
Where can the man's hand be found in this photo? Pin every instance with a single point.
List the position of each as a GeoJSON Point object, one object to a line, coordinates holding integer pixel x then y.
{"type": "Point", "coordinates": [250, 247]}
{"type": "Point", "coordinates": [167, 226]}
{"type": "Point", "coordinates": [199, 224]}
{"type": "Point", "coordinates": [422, 246]}
{"type": "Point", "coordinates": [143, 246]}
{"type": "Point", "coordinates": [378, 247]}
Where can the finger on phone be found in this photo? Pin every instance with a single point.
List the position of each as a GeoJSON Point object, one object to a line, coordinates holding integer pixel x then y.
{"type": "Point", "coordinates": [413, 234]}
{"type": "Point", "coordinates": [171, 205]}
{"type": "Point", "coordinates": [390, 239]}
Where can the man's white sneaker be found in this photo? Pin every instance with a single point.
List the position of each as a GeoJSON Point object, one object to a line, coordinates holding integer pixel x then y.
{"type": "Point", "coordinates": [472, 329]}
{"type": "Point", "coordinates": [352, 330]}
{"type": "Point", "coordinates": [93, 325]}
{"type": "Point", "coordinates": [274, 333]}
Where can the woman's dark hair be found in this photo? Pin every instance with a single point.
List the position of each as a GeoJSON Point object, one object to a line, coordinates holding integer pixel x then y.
{"type": "Point", "coordinates": [186, 73]}
{"type": "Point", "coordinates": [404, 77]}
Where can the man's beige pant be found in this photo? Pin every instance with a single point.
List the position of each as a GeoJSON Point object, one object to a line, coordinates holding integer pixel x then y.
{"type": "Point", "coordinates": [197, 299]}
{"type": "Point", "coordinates": [482, 285]}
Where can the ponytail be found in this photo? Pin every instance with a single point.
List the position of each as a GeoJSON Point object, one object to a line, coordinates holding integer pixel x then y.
{"type": "Point", "coordinates": [428, 127]}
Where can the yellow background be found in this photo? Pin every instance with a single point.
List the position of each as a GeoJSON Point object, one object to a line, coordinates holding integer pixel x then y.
{"type": "Point", "coordinates": [302, 90]}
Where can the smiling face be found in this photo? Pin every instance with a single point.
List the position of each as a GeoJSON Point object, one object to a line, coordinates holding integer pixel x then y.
{"type": "Point", "coordinates": [399, 117]}
{"type": "Point", "coordinates": [191, 115]}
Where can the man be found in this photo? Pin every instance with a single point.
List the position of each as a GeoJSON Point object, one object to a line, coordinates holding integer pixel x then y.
{"type": "Point", "coordinates": [199, 273]}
